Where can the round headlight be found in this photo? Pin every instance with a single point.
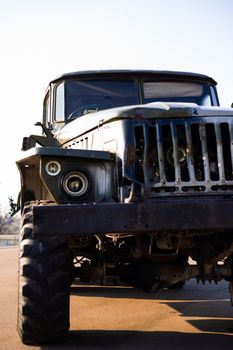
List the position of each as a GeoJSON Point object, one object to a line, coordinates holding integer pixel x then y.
{"type": "Point", "coordinates": [75, 184]}
{"type": "Point", "coordinates": [53, 168]}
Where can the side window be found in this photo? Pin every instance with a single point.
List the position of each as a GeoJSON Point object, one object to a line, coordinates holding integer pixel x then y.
{"type": "Point", "coordinates": [59, 103]}
{"type": "Point", "coordinates": [214, 96]}
{"type": "Point", "coordinates": [46, 109]}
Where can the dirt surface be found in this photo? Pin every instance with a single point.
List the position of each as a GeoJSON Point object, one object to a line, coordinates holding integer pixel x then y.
{"type": "Point", "coordinates": [196, 317]}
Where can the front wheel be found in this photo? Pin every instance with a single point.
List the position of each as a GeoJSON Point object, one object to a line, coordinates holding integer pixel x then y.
{"type": "Point", "coordinates": [44, 282]}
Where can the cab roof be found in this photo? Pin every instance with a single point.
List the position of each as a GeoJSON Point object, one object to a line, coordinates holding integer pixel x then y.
{"type": "Point", "coordinates": [147, 74]}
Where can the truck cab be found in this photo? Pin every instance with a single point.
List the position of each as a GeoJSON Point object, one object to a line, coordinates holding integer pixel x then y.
{"type": "Point", "coordinates": [75, 94]}
{"type": "Point", "coordinates": [131, 177]}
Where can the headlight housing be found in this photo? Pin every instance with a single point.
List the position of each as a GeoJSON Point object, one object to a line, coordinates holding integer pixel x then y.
{"type": "Point", "coordinates": [83, 176]}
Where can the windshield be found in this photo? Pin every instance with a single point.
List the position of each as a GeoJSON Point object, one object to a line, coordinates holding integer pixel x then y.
{"type": "Point", "coordinates": [87, 96]}
{"type": "Point", "coordinates": [75, 98]}
{"type": "Point", "coordinates": [176, 91]}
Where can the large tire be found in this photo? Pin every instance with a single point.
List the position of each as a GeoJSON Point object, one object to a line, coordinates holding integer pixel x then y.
{"type": "Point", "coordinates": [44, 283]}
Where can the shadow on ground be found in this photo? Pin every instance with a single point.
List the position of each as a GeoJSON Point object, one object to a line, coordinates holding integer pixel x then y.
{"type": "Point", "coordinates": [135, 340]}
{"type": "Point", "coordinates": [206, 307]}
{"type": "Point", "coordinates": [191, 291]}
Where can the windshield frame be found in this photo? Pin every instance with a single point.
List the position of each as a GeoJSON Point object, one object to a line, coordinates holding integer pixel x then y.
{"type": "Point", "coordinates": [138, 84]}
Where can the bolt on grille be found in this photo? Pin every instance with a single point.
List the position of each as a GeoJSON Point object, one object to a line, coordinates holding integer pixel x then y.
{"type": "Point", "coordinates": [185, 155]}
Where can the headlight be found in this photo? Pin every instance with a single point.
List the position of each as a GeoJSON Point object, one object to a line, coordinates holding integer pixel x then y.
{"type": "Point", "coordinates": [75, 184]}
{"type": "Point", "coordinates": [53, 168]}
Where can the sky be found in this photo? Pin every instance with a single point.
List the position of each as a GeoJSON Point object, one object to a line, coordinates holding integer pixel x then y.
{"type": "Point", "coordinates": [42, 39]}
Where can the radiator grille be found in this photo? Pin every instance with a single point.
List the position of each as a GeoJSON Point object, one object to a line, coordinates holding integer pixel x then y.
{"type": "Point", "coordinates": [185, 155]}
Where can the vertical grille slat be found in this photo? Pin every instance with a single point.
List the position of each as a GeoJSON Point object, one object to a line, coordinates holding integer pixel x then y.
{"type": "Point", "coordinates": [197, 152]}
{"type": "Point", "coordinates": [226, 147]}
{"type": "Point", "coordinates": [231, 140]}
{"type": "Point", "coordinates": [139, 153]}
{"type": "Point", "coordinates": [168, 153]}
{"type": "Point", "coordinates": [189, 150]}
{"type": "Point", "coordinates": [175, 152]}
{"type": "Point", "coordinates": [146, 154]}
{"type": "Point", "coordinates": [220, 152]}
{"type": "Point", "coordinates": [160, 153]}
{"type": "Point", "coordinates": [212, 151]}
{"type": "Point", "coordinates": [205, 156]}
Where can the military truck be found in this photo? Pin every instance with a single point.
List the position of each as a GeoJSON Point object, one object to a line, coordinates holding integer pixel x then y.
{"type": "Point", "coordinates": [130, 179]}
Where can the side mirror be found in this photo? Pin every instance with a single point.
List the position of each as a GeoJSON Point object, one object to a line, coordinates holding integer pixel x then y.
{"type": "Point", "coordinates": [232, 105]}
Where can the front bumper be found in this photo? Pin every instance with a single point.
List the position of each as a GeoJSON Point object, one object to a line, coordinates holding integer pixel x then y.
{"type": "Point", "coordinates": [181, 214]}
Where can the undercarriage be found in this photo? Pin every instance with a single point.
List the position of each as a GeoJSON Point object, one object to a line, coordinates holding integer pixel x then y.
{"type": "Point", "coordinates": [145, 247]}
{"type": "Point", "coordinates": [153, 261]}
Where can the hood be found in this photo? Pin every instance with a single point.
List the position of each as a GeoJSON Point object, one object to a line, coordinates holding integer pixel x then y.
{"type": "Point", "coordinates": [155, 110]}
